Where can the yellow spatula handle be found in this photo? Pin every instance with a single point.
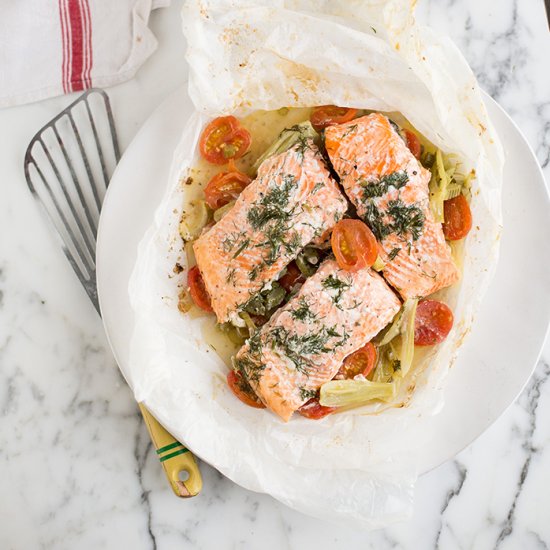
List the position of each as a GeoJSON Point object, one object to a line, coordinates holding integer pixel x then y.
{"type": "Point", "coordinates": [174, 457]}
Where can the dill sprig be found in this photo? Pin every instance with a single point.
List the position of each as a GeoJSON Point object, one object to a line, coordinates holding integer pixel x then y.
{"type": "Point", "coordinates": [306, 394]}
{"type": "Point", "coordinates": [407, 218]}
{"type": "Point", "coordinates": [272, 205]}
{"type": "Point", "coordinates": [394, 252]}
{"type": "Point", "coordinates": [334, 283]}
{"type": "Point", "coordinates": [303, 311]}
{"type": "Point", "coordinates": [297, 346]}
{"type": "Point", "coordinates": [379, 188]}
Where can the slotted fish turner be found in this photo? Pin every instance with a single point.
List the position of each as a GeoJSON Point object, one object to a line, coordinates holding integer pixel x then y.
{"type": "Point", "coordinates": [68, 165]}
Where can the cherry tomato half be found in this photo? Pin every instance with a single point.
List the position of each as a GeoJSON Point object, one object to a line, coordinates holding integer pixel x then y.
{"type": "Point", "coordinates": [433, 322]}
{"type": "Point", "coordinates": [458, 218]}
{"type": "Point", "coordinates": [224, 188]}
{"type": "Point", "coordinates": [360, 362]}
{"type": "Point", "coordinates": [243, 391]}
{"type": "Point", "coordinates": [292, 276]}
{"type": "Point", "coordinates": [413, 143]}
{"type": "Point", "coordinates": [224, 139]}
{"type": "Point", "coordinates": [314, 410]}
{"type": "Point", "coordinates": [198, 290]}
{"type": "Point", "coordinates": [327, 115]}
{"type": "Point", "coordinates": [353, 245]}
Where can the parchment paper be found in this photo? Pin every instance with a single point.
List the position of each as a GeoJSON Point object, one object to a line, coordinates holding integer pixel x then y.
{"type": "Point", "coordinates": [349, 468]}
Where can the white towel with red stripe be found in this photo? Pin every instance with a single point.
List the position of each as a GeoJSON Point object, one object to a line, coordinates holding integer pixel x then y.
{"type": "Point", "coordinates": [55, 47]}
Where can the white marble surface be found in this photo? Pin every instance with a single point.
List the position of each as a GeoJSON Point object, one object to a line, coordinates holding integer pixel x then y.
{"type": "Point", "coordinates": [76, 466]}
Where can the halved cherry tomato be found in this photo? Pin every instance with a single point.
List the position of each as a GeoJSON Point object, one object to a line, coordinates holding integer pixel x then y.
{"type": "Point", "coordinates": [223, 139]}
{"type": "Point", "coordinates": [327, 115]}
{"type": "Point", "coordinates": [413, 143]}
{"type": "Point", "coordinates": [353, 245]}
{"type": "Point", "coordinates": [360, 362]}
{"type": "Point", "coordinates": [292, 276]}
{"type": "Point", "coordinates": [243, 391]}
{"type": "Point", "coordinates": [458, 218]}
{"type": "Point", "coordinates": [433, 322]}
{"type": "Point", "coordinates": [314, 410]}
{"type": "Point", "coordinates": [225, 187]}
{"type": "Point", "coordinates": [198, 290]}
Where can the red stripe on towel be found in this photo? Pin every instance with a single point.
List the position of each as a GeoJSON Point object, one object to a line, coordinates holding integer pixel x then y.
{"type": "Point", "coordinates": [65, 46]}
{"type": "Point", "coordinates": [76, 46]}
{"type": "Point", "coordinates": [88, 54]}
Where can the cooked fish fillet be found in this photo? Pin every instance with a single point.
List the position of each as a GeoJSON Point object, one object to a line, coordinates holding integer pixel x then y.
{"type": "Point", "coordinates": [389, 188]}
{"type": "Point", "coordinates": [304, 344]}
{"type": "Point", "coordinates": [293, 200]}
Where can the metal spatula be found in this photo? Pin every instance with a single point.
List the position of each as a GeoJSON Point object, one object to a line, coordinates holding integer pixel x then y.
{"type": "Point", "coordinates": [68, 165]}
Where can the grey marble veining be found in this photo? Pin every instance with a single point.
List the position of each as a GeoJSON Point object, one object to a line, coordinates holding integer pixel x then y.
{"type": "Point", "coordinates": [77, 467]}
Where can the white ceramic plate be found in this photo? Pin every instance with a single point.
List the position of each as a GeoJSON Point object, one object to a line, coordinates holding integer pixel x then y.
{"type": "Point", "coordinates": [497, 359]}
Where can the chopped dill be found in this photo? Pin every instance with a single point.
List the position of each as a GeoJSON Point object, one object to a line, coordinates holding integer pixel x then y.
{"type": "Point", "coordinates": [306, 394]}
{"type": "Point", "coordinates": [334, 283]}
{"type": "Point", "coordinates": [271, 205]}
{"type": "Point", "coordinates": [230, 278]}
{"type": "Point", "coordinates": [349, 130]}
{"type": "Point", "coordinates": [242, 246]}
{"type": "Point", "coordinates": [297, 346]}
{"type": "Point", "coordinates": [254, 272]}
{"type": "Point", "coordinates": [382, 186]}
{"type": "Point", "coordinates": [407, 218]}
{"type": "Point", "coordinates": [375, 220]}
{"type": "Point", "coordinates": [303, 311]}
{"type": "Point", "coordinates": [403, 219]}
{"type": "Point", "coordinates": [230, 240]}
{"type": "Point", "coordinates": [394, 252]}
{"type": "Point", "coordinates": [317, 186]}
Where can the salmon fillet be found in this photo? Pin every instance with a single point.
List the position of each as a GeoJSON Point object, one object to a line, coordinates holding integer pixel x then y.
{"type": "Point", "coordinates": [335, 313]}
{"type": "Point", "coordinates": [389, 188]}
{"type": "Point", "coordinates": [292, 201]}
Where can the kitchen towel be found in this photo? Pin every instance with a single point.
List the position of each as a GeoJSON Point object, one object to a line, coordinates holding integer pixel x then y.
{"type": "Point", "coordinates": [55, 47]}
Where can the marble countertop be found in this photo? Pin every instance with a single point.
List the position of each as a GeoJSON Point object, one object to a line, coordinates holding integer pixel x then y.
{"type": "Point", "coordinates": [77, 467]}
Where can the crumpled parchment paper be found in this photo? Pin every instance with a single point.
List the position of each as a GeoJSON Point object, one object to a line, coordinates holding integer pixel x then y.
{"type": "Point", "coordinates": [245, 55]}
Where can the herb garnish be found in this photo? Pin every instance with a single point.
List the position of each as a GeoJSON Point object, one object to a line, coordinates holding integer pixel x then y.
{"type": "Point", "coordinates": [399, 217]}
{"type": "Point", "coordinates": [407, 218]}
{"type": "Point", "coordinates": [372, 189]}
{"type": "Point", "coordinates": [303, 311]}
{"type": "Point", "coordinates": [297, 346]}
{"type": "Point", "coordinates": [394, 252]}
{"type": "Point", "coordinates": [306, 394]}
{"type": "Point", "coordinates": [242, 246]}
{"type": "Point", "coordinates": [230, 278]}
{"type": "Point", "coordinates": [271, 205]}
{"type": "Point", "coordinates": [334, 283]}
{"type": "Point", "coordinates": [375, 220]}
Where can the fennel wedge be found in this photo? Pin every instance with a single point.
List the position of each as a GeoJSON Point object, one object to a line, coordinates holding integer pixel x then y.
{"type": "Point", "coordinates": [354, 393]}
{"type": "Point", "coordinates": [287, 138]}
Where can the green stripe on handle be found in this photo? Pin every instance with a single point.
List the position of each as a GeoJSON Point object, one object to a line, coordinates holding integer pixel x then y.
{"type": "Point", "coordinates": [168, 447]}
{"type": "Point", "coordinates": [172, 455]}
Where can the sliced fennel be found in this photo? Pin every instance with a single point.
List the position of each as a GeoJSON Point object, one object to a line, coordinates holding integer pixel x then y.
{"type": "Point", "coordinates": [190, 254]}
{"type": "Point", "coordinates": [396, 348]}
{"type": "Point", "coordinates": [195, 217]}
{"type": "Point", "coordinates": [394, 330]}
{"type": "Point", "coordinates": [385, 365]}
{"type": "Point", "coordinates": [446, 182]}
{"type": "Point", "coordinates": [287, 139]}
{"type": "Point", "coordinates": [379, 264]}
{"type": "Point", "coordinates": [403, 346]}
{"type": "Point", "coordinates": [222, 211]}
{"type": "Point", "coordinates": [353, 393]}
{"type": "Point", "coordinates": [236, 335]}
{"type": "Point", "coordinates": [250, 324]}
